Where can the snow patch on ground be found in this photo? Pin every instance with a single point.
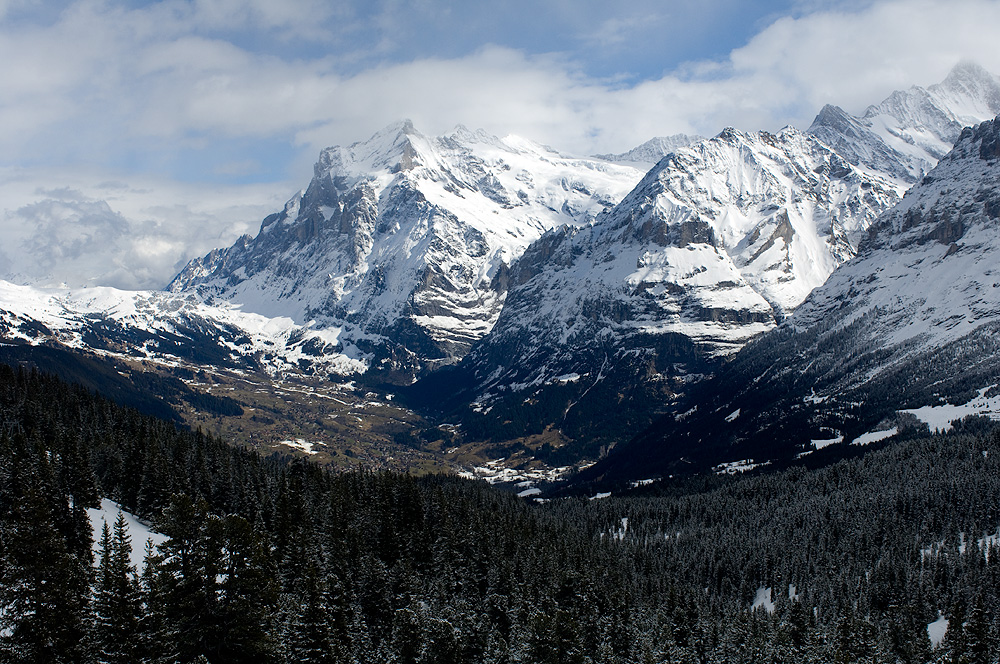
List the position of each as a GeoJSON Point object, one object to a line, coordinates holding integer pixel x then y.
{"type": "Point", "coordinates": [302, 445]}
{"type": "Point", "coordinates": [497, 472]}
{"type": "Point", "coordinates": [820, 444]}
{"type": "Point", "coordinates": [763, 600]}
{"type": "Point", "coordinates": [874, 436]}
{"type": "Point", "coordinates": [733, 467]}
{"type": "Point", "coordinates": [936, 630]}
{"type": "Point", "coordinates": [939, 418]}
{"type": "Point", "coordinates": [137, 530]}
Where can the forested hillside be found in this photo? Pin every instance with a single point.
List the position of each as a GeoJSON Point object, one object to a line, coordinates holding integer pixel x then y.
{"type": "Point", "coordinates": [273, 560]}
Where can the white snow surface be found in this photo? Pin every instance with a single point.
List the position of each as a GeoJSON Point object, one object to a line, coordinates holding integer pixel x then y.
{"type": "Point", "coordinates": [138, 531]}
{"type": "Point", "coordinates": [69, 313]}
{"type": "Point", "coordinates": [936, 630]}
{"type": "Point", "coordinates": [763, 600]}
{"type": "Point", "coordinates": [820, 444]}
{"type": "Point", "coordinates": [939, 418]}
{"type": "Point", "coordinates": [302, 445]}
{"type": "Point", "coordinates": [874, 436]}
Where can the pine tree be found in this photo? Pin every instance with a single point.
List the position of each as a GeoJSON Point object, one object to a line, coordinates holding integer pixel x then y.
{"type": "Point", "coordinates": [248, 596]}
{"type": "Point", "coordinates": [45, 603]}
{"type": "Point", "coordinates": [309, 630]}
{"type": "Point", "coordinates": [116, 599]}
{"type": "Point", "coordinates": [184, 589]}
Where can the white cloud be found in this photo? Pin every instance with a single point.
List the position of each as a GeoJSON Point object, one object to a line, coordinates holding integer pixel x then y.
{"type": "Point", "coordinates": [104, 88]}
{"type": "Point", "coordinates": [106, 232]}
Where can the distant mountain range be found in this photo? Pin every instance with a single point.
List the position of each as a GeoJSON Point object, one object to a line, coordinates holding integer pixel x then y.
{"type": "Point", "coordinates": [548, 299]}
{"type": "Point", "coordinates": [403, 243]}
{"type": "Point", "coordinates": [606, 324]}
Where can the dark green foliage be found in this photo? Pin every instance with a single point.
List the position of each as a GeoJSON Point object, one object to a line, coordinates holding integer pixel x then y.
{"type": "Point", "coordinates": [44, 579]}
{"type": "Point", "coordinates": [117, 602]}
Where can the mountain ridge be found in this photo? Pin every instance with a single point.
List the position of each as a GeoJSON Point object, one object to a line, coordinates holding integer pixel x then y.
{"type": "Point", "coordinates": [404, 241]}
{"type": "Point", "coordinates": [910, 325]}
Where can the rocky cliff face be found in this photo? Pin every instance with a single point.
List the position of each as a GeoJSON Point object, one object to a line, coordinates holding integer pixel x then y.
{"type": "Point", "coordinates": [404, 241]}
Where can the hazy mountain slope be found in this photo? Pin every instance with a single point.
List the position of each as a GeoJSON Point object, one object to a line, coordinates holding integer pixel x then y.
{"type": "Point", "coordinates": [910, 130]}
{"type": "Point", "coordinates": [646, 155]}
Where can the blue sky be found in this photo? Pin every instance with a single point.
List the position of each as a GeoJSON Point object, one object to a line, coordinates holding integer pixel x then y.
{"type": "Point", "coordinates": [210, 113]}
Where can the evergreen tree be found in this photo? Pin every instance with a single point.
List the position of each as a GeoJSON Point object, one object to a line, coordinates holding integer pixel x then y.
{"type": "Point", "coordinates": [117, 601]}
{"type": "Point", "coordinates": [184, 590]}
{"type": "Point", "coordinates": [45, 603]}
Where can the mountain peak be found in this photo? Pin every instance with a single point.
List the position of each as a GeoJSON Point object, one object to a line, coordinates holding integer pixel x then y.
{"type": "Point", "coordinates": [653, 150]}
{"type": "Point", "coordinates": [395, 147]}
{"type": "Point", "coordinates": [967, 72]}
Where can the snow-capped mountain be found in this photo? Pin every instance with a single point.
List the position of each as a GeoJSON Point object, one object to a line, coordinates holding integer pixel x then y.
{"type": "Point", "coordinates": [908, 330]}
{"type": "Point", "coordinates": [910, 130]}
{"type": "Point", "coordinates": [403, 242]}
{"type": "Point", "coordinates": [718, 243]}
{"type": "Point", "coordinates": [170, 328]}
{"type": "Point", "coordinates": [652, 151]}
{"type": "Point", "coordinates": [715, 246]}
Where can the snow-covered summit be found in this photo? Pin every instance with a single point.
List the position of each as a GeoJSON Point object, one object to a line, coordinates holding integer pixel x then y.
{"type": "Point", "coordinates": [909, 326]}
{"type": "Point", "coordinates": [930, 264]}
{"type": "Point", "coordinates": [652, 150]}
{"type": "Point", "coordinates": [405, 240]}
{"type": "Point", "coordinates": [718, 242]}
{"type": "Point", "coordinates": [910, 130]}
{"type": "Point", "coordinates": [714, 246]}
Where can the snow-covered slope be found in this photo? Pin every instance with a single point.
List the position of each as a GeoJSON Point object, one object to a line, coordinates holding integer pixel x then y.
{"type": "Point", "coordinates": [403, 241]}
{"type": "Point", "coordinates": [909, 131]}
{"type": "Point", "coordinates": [716, 245]}
{"type": "Point", "coordinates": [912, 322]}
{"type": "Point", "coordinates": [169, 327]}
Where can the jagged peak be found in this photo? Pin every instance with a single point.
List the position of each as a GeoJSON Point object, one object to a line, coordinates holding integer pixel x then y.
{"type": "Point", "coordinates": [831, 116]}
{"type": "Point", "coordinates": [967, 73]}
{"type": "Point", "coordinates": [654, 149]}
{"type": "Point", "coordinates": [397, 146]}
{"type": "Point", "coordinates": [957, 192]}
{"type": "Point", "coordinates": [982, 141]}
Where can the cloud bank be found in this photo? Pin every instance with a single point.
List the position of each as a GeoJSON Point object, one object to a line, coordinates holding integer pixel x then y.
{"type": "Point", "coordinates": [241, 93]}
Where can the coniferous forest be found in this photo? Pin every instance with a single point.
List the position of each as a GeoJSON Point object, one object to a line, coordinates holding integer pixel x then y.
{"type": "Point", "coordinates": [279, 560]}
